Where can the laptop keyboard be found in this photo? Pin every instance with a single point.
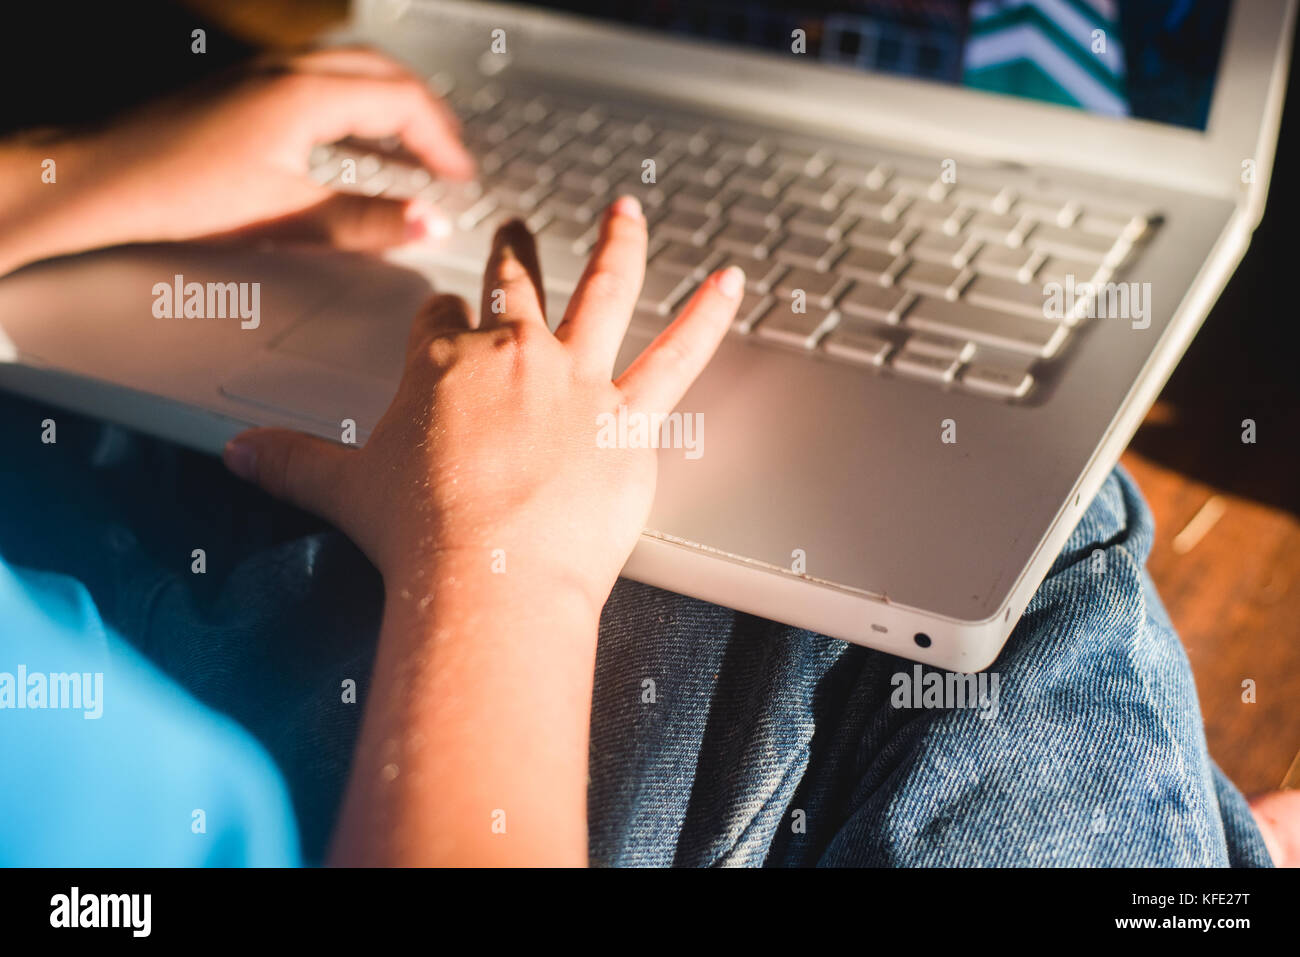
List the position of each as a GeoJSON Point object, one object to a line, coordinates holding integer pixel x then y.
{"type": "Point", "coordinates": [847, 257]}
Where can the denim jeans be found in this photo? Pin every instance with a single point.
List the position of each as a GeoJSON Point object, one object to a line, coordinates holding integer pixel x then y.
{"type": "Point", "coordinates": [717, 738]}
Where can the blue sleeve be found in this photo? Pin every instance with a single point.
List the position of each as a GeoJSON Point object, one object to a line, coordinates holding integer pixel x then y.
{"type": "Point", "coordinates": [104, 761]}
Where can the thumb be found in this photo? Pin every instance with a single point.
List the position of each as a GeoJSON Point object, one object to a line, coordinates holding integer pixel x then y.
{"type": "Point", "coordinates": [362, 223]}
{"type": "Point", "coordinates": [299, 469]}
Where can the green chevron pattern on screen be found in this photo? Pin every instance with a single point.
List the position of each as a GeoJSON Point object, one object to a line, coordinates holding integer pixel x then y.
{"type": "Point", "coordinates": [1061, 51]}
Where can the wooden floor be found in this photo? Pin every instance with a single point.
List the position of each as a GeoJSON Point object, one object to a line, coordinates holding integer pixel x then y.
{"type": "Point", "coordinates": [1234, 596]}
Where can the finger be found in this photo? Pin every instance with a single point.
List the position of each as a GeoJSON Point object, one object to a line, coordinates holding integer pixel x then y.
{"type": "Point", "coordinates": [660, 376]}
{"type": "Point", "coordinates": [602, 304]}
{"type": "Point", "coordinates": [353, 222]}
{"type": "Point", "coordinates": [440, 315]}
{"type": "Point", "coordinates": [512, 281]}
{"type": "Point", "coordinates": [371, 108]}
{"type": "Point", "coordinates": [362, 61]}
{"type": "Point", "coordinates": [348, 60]}
{"type": "Point", "coordinates": [299, 469]}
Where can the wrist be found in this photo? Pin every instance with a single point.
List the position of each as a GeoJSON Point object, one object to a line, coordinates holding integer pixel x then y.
{"type": "Point", "coordinates": [476, 592]}
{"type": "Point", "coordinates": [501, 574]}
{"type": "Point", "coordinates": [48, 201]}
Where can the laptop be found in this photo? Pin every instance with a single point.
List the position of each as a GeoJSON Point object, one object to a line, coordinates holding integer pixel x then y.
{"type": "Point", "coordinates": [978, 236]}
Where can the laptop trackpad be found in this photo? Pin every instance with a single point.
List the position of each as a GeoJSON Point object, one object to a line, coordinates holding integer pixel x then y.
{"type": "Point", "coordinates": [344, 360]}
{"type": "Point", "coordinates": [310, 391]}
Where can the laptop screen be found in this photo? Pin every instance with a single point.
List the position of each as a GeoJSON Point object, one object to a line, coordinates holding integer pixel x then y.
{"type": "Point", "coordinates": [1152, 59]}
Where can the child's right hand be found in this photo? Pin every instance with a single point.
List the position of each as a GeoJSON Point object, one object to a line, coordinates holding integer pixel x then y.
{"type": "Point", "coordinates": [480, 700]}
{"type": "Point", "coordinates": [490, 442]}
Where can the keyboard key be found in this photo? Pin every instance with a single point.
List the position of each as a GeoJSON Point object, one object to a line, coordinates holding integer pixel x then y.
{"type": "Point", "coordinates": [986, 326]}
{"type": "Point", "coordinates": [1116, 225]}
{"type": "Point", "coordinates": [1018, 264]}
{"type": "Point", "coordinates": [765, 211]}
{"type": "Point", "coordinates": [925, 366]}
{"type": "Point", "coordinates": [563, 231]}
{"type": "Point", "coordinates": [993, 227]}
{"type": "Point", "coordinates": [685, 260]}
{"type": "Point", "coordinates": [856, 345]}
{"type": "Point", "coordinates": [1070, 243]}
{"type": "Point", "coordinates": [939, 247]}
{"type": "Point", "coordinates": [855, 173]}
{"type": "Point", "coordinates": [876, 303]}
{"type": "Point", "coordinates": [519, 192]}
{"type": "Point", "coordinates": [761, 181]}
{"type": "Point", "coordinates": [1059, 269]}
{"type": "Point", "coordinates": [747, 239]}
{"type": "Point", "coordinates": [941, 216]}
{"type": "Point", "coordinates": [783, 324]}
{"type": "Point", "coordinates": [572, 203]}
{"type": "Point", "coordinates": [870, 265]}
{"type": "Point", "coordinates": [941, 347]}
{"type": "Point", "coordinates": [1003, 383]}
{"type": "Point", "coordinates": [751, 309]}
{"type": "Point", "coordinates": [588, 176]}
{"type": "Point", "coordinates": [819, 288]}
{"type": "Point", "coordinates": [982, 198]}
{"type": "Point", "coordinates": [936, 279]}
{"type": "Point", "coordinates": [1006, 295]}
{"type": "Point", "coordinates": [688, 171]}
{"type": "Point", "coordinates": [801, 161]}
{"type": "Point", "coordinates": [696, 197]}
{"type": "Point", "coordinates": [868, 202]}
{"type": "Point", "coordinates": [819, 223]}
{"type": "Point", "coordinates": [662, 290]}
{"type": "Point", "coordinates": [528, 168]}
{"type": "Point", "coordinates": [878, 234]}
{"type": "Point", "coordinates": [807, 251]}
{"type": "Point", "coordinates": [920, 187]}
{"type": "Point", "coordinates": [1044, 209]}
{"type": "Point", "coordinates": [720, 168]}
{"type": "Point", "coordinates": [476, 213]}
{"type": "Point", "coordinates": [824, 192]}
{"type": "Point", "coordinates": [538, 218]}
{"type": "Point", "coordinates": [760, 274]}
{"type": "Point", "coordinates": [687, 226]}
{"type": "Point", "coordinates": [895, 208]}
{"type": "Point", "coordinates": [1069, 214]}
{"type": "Point", "coordinates": [754, 153]}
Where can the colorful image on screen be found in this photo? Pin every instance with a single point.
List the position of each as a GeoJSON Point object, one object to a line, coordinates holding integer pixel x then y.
{"type": "Point", "coordinates": [1150, 59]}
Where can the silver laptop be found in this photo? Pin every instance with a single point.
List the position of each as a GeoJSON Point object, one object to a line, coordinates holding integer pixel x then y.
{"type": "Point", "coordinates": [978, 235]}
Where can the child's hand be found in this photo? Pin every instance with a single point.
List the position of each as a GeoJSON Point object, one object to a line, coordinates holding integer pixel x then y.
{"type": "Point", "coordinates": [200, 164]}
{"type": "Point", "coordinates": [491, 441]}
{"type": "Point", "coordinates": [479, 704]}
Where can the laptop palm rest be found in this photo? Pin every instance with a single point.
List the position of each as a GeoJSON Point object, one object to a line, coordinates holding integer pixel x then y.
{"type": "Point", "coordinates": [342, 361]}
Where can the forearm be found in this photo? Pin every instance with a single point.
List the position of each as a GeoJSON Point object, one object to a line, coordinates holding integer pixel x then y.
{"type": "Point", "coordinates": [474, 744]}
{"type": "Point", "coordinates": [63, 194]}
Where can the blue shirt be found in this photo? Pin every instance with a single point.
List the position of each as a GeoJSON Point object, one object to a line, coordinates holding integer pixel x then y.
{"type": "Point", "coordinates": [104, 761]}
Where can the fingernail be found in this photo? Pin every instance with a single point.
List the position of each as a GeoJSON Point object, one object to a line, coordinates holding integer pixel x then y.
{"type": "Point", "coordinates": [731, 282]}
{"type": "Point", "coordinates": [628, 206]}
{"type": "Point", "coordinates": [424, 220]}
{"type": "Point", "coordinates": [240, 458]}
